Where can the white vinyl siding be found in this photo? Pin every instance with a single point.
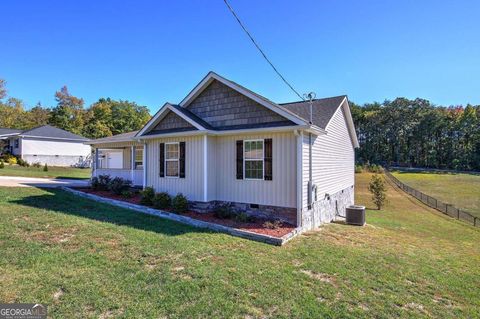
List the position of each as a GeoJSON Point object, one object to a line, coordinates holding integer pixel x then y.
{"type": "Point", "coordinates": [333, 159]}
{"type": "Point", "coordinates": [281, 191]}
{"type": "Point", "coordinates": [192, 185]}
{"type": "Point", "coordinates": [31, 146]}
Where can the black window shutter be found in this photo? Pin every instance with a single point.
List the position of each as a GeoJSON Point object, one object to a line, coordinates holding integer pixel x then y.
{"type": "Point", "coordinates": [267, 158]}
{"type": "Point", "coordinates": [162, 159]}
{"type": "Point", "coordinates": [239, 159]}
{"type": "Point", "coordinates": [182, 160]}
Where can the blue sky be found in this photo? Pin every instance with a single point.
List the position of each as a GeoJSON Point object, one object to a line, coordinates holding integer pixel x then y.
{"type": "Point", "coordinates": [151, 52]}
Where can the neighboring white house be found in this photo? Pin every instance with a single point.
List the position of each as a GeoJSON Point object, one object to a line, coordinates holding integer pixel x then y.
{"type": "Point", "coordinates": [47, 144]}
{"type": "Point", "coordinates": [225, 143]}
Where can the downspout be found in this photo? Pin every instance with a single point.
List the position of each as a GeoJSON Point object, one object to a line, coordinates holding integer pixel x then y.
{"type": "Point", "coordinates": [132, 164]}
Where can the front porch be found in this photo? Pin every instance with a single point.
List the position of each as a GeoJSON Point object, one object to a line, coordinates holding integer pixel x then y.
{"type": "Point", "coordinates": [123, 160]}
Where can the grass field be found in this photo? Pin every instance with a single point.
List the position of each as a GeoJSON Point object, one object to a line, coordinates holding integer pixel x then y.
{"type": "Point", "coordinates": [90, 260]}
{"type": "Point", "coordinates": [461, 190]}
{"type": "Point", "coordinates": [53, 172]}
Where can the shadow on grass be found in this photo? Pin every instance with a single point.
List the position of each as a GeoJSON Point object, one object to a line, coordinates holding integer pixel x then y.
{"type": "Point", "coordinates": [59, 201]}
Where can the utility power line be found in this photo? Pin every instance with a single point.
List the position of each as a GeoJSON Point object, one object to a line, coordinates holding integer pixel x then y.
{"type": "Point", "coordinates": [260, 49]}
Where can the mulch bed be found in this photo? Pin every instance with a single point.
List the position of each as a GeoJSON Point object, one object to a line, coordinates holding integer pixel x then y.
{"type": "Point", "coordinates": [255, 227]}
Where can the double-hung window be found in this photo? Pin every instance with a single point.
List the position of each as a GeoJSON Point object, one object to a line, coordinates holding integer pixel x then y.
{"type": "Point", "coordinates": [138, 158]}
{"type": "Point", "coordinates": [172, 156]}
{"type": "Point", "coordinates": [253, 159]}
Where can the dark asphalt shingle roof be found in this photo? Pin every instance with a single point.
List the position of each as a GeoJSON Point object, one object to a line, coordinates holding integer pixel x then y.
{"type": "Point", "coordinates": [116, 138]}
{"type": "Point", "coordinates": [46, 131]}
{"type": "Point", "coordinates": [323, 109]}
{"type": "Point", "coordinates": [52, 132]}
{"type": "Point", "coordinates": [8, 131]}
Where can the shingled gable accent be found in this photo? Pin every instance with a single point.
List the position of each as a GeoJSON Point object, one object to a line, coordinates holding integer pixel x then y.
{"type": "Point", "coordinates": [173, 124]}
{"type": "Point", "coordinates": [172, 121]}
{"type": "Point", "coordinates": [222, 107]}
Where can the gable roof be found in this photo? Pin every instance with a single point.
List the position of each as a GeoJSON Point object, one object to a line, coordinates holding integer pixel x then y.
{"type": "Point", "coordinates": [190, 118]}
{"type": "Point", "coordinates": [44, 131]}
{"type": "Point", "coordinates": [48, 131]}
{"type": "Point", "coordinates": [323, 109]}
{"type": "Point", "coordinates": [211, 76]}
{"type": "Point", "coordinates": [124, 137]}
{"type": "Point", "coordinates": [9, 131]}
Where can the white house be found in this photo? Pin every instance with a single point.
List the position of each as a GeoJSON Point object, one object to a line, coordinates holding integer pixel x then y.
{"type": "Point", "coordinates": [225, 143]}
{"type": "Point", "coordinates": [47, 144]}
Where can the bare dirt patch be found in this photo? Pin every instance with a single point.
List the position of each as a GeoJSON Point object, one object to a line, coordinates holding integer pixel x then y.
{"type": "Point", "coordinates": [321, 277]}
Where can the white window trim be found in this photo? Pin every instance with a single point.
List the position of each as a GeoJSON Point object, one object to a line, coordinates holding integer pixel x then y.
{"type": "Point", "coordinates": [262, 159]}
{"type": "Point", "coordinates": [172, 160]}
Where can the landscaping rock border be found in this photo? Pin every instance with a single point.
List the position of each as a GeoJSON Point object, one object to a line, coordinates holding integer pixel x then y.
{"type": "Point", "coordinates": [190, 221]}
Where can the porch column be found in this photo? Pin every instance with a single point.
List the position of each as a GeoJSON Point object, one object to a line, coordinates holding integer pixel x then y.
{"type": "Point", "coordinates": [132, 164]}
{"type": "Point", "coordinates": [95, 165]}
{"type": "Point", "coordinates": [145, 164]}
{"type": "Point", "coordinates": [205, 168]}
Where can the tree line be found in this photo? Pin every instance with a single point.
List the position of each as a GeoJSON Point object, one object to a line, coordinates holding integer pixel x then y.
{"type": "Point", "coordinates": [405, 132]}
{"type": "Point", "coordinates": [106, 117]}
{"type": "Point", "coordinates": [419, 134]}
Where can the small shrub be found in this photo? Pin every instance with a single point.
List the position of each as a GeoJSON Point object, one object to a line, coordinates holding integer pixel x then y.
{"type": "Point", "coordinates": [224, 211]}
{"type": "Point", "coordinates": [36, 165]}
{"type": "Point", "coordinates": [147, 196]}
{"type": "Point", "coordinates": [358, 169]}
{"type": "Point", "coordinates": [94, 183]}
{"type": "Point", "coordinates": [374, 168]}
{"type": "Point", "coordinates": [243, 217]}
{"type": "Point", "coordinates": [118, 185]}
{"type": "Point", "coordinates": [378, 190]}
{"type": "Point", "coordinates": [22, 162]}
{"type": "Point", "coordinates": [101, 182]}
{"type": "Point", "coordinates": [2, 165]}
{"type": "Point", "coordinates": [127, 193]}
{"type": "Point", "coordinates": [180, 203]}
{"type": "Point", "coordinates": [45, 168]}
{"type": "Point", "coordinates": [12, 160]}
{"type": "Point", "coordinates": [162, 200]}
{"type": "Point", "coordinates": [273, 224]}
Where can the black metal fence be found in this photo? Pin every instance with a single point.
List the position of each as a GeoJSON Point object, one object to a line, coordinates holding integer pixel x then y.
{"type": "Point", "coordinates": [445, 208]}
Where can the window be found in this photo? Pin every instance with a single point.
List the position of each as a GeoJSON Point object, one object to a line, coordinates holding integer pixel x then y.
{"type": "Point", "coordinates": [16, 142]}
{"type": "Point", "coordinates": [172, 152]}
{"type": "Point", "coordinates": [253, 159]}
{"type": "Point", "coordinates": [138, 158]}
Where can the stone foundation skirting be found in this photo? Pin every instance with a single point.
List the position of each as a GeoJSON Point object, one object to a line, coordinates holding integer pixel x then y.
{"type": "Point", "coordinates": [189, 221]}
{"type": "Point", "coordinates": [285, 214]}
{"type": "Point", "coordinates": [327, 209]}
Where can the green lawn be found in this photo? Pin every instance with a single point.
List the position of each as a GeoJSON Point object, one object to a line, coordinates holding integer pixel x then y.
{"type": "Point", "coordinates": [461, 190]}
{"type": "Point", "coordinates": [90, 260]}
{"type": "Point", "coordinates": [53, 172]}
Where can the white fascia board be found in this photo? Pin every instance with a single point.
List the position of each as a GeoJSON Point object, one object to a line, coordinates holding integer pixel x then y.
{"type": "Point", "coordinates": [55, 138]}
{"type": "Point", "coordinates": [153, 120]}
{"type": "Point", "coordinates": [227, 132]}
{"type": "Point", "coordinates": [130, 139]}
{"type": "Point", "coordinates": [213, 76]}
{"type": "Point", "coordinates": [9, 135]}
